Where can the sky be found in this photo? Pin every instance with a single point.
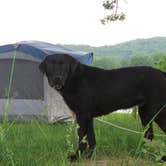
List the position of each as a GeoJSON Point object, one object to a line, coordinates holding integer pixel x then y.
{"type": "Point", "coordinates": [78, 21]}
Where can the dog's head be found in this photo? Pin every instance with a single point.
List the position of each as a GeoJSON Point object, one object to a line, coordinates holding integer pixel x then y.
{"type": "Point", "coordinates": [57, 68]}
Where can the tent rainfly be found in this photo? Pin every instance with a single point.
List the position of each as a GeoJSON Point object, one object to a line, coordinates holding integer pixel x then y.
{"type": "Point", "coordinates": [24, 91]}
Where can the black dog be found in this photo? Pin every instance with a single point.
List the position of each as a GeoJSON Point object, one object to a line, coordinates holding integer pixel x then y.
{"type": "Point", "coordinates": [92, 92]}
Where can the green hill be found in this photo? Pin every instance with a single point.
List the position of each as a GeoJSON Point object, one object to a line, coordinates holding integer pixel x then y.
{"type": "Point", "coordinates": [127, 49]}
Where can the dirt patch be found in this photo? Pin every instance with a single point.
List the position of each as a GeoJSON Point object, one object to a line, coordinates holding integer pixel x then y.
{"type": "Point", "coordinates": [112, 161]}
{"type": "Point", "coordinates": [90, 163]}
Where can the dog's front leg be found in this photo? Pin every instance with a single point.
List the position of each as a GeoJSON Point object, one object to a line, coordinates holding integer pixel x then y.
{"type": "Point", "coordinates": [82, 131]}
{"type": "Point", "coordinates": [90, 138]}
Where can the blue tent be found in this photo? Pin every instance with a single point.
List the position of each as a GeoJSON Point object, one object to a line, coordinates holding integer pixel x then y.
{"type": "Point", "coordinates": [40, 50]}
{"type": "Point", "coordinates": [32, 97]}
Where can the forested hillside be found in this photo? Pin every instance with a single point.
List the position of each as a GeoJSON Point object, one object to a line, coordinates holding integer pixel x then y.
{"type": "Point", "coordinates": [140, 52]}
{"type": "Point", "coordinates": [127, 49]}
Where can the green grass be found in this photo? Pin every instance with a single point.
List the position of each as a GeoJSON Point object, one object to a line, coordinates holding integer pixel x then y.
{"type": "Point", "coordinates": [40, 144]}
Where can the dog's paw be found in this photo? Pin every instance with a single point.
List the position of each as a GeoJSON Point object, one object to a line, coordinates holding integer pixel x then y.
{"type": "Point", "coordinates": [72, 158]}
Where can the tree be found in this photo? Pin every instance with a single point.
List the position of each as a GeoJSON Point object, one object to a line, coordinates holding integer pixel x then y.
{"type": "Point", "coordinates": [161, 64]}
{"type": "Point", "coordinates": [113, 6]}
{"type": "Point", "coordinates": [140, 60]}
{"type": "Point", "coordinates": [106, 62]}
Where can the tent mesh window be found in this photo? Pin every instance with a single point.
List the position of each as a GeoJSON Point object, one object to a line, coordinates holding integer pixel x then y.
{"type": "Point", "coordinates": [27, 81]}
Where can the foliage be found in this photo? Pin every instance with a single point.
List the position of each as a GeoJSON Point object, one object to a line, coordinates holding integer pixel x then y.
{"type": "Point", "coordinates": [140, 60]}
{"type": "Point", "coordinates": [134, 112]}
{"type": "Point", "coordinates": [161, 64]}
{"type": "Point", "coordinates": [71, 130]}
{"type": "Point", "coordinates": [106, 62]}
{"type": "Point", "coordinates": [155, 149]}
{"type": "Point", "coordinates": [113, 7]}
{"type": "Point", "coordinates": [150, 47]}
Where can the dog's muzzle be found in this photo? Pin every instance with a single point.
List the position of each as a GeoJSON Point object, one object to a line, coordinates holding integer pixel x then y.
{"type": "Point", "coordinates": [57, 82]}
{"type": "Point", "coordinates": [58, 87]}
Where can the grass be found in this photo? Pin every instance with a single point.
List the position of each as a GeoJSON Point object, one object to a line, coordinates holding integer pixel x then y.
{"type": "Point", "coordinates": [40, 144]}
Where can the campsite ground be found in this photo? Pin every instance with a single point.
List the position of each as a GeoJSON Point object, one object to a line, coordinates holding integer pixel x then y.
{"type": "Point", "coordinates": [35, 144]}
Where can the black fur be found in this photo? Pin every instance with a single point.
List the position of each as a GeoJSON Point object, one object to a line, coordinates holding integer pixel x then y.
{"type": "Point", "coordinates": [92, 92]}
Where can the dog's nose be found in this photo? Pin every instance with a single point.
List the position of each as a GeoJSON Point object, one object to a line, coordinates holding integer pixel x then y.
{"type": "Point", "coordinates": [58, 79]}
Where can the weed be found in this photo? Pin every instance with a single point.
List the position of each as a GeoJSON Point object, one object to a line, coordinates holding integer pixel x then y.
{"type": "Point", "coordinates": [155, 149]}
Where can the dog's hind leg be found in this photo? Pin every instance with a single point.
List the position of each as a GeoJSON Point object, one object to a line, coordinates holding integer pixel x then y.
{"type": "Point", "coordinates": [160, 120]}
{"type": "Point", "coordinates": [145, 119]}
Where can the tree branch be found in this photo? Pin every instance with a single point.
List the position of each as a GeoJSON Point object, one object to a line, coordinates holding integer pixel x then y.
{"type": "Point", "coordinates": [113, 6]}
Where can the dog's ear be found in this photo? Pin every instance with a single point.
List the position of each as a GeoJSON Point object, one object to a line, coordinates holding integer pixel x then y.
{"type": "Point", "coordinates": [42, 67]}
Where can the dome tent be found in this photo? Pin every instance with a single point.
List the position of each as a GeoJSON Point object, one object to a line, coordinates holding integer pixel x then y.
{"type": "Point", "coordinates": [30, 95]}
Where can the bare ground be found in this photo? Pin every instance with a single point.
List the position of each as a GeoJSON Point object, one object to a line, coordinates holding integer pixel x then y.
{"type": "Point", "coordinates": [112, 161]}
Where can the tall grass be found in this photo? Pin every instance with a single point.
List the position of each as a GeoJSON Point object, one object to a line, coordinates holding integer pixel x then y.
{"type": "Point", "coordinates": [34, 143]}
